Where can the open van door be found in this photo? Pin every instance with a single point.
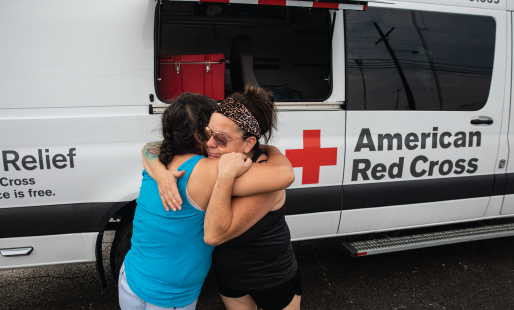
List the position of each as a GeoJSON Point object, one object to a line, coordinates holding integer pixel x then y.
{"type": "Point", "coordinates": [293, 48]}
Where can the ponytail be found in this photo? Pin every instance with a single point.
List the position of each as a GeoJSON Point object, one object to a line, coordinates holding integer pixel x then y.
{"type": "Point", "coordinates": [261, 103]}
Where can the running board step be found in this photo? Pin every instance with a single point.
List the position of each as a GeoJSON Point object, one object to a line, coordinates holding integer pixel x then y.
{"type": "Point", "coordinates": [394, 244]}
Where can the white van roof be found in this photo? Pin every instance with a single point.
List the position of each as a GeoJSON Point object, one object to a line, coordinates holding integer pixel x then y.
{"type": "Point", "coordinates": [482, 4]}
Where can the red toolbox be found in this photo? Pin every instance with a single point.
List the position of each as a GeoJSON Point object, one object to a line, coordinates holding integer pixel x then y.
{"type": "Point", "coordinates": [202, 74]}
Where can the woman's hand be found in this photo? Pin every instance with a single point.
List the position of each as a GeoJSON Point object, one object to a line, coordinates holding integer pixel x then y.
{"type": "Point", "coordinates": [166, 180]}
{"type": "Point", "coordinates": [233, 165]}
{"type": "Point", "coordinates": [167, 183]}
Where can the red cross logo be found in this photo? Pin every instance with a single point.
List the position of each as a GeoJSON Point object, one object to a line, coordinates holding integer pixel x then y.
{"type": "Point", "coordinates": [312, 156]}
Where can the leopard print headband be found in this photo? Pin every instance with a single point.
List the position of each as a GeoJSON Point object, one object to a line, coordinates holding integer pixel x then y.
{"type": "Point", "coordinates": [240, 115]}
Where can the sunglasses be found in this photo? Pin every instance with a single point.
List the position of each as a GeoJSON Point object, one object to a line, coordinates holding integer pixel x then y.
{"type": "Point", "coordinates": [220, 138]}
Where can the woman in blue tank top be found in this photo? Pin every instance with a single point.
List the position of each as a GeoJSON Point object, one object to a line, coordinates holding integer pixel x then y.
{"type": "Point", "coordinates": [169, 260]}
{"type": "Point", "coordinates": [254, 260]}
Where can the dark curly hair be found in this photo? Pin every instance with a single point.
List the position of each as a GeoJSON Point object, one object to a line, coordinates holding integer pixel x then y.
{"type": "Point", "coordinates": [261, 103]}
{"type": "Point", "coordinates": [183, 122]}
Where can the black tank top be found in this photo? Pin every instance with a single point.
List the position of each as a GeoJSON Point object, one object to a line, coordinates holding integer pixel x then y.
{"type": "Point", "coordinates": [262, 257]}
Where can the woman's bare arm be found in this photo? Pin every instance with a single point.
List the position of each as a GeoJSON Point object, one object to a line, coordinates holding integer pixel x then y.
{"type": "Point", "coordinates": [228, 218]}
{"type": "Point", "coordinates": [275, 175]}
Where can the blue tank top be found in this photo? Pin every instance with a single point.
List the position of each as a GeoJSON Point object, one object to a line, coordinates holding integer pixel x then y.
{"type": "Point", "coordinates": [169, 260]}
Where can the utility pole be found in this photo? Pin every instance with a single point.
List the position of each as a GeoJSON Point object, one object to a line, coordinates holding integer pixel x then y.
{"type": "Point", "coordinates": [410, 97]}
{"type": "Point", "coordinates": [398, 97]}
{"type": "Point", "coordinates": [359, 65]}
{"type": "Point", "coordinates": [429, 57]}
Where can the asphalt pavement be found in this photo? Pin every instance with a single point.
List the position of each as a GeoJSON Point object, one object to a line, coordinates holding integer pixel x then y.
{"type": "Point", "coordinates": [475, 275]}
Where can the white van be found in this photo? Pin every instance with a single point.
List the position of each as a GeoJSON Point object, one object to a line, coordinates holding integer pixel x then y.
{"type": "Point", "coordinates": [395, 114]}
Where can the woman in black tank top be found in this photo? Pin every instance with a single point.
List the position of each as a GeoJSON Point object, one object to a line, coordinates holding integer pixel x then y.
{"type": "Point", "coordinates": [264, 249]}
{"type": "Point", "coordinates": [253, 260]}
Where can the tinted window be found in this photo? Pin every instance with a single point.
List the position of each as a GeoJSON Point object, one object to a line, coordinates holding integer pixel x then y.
{"type": "Point", "coordinates": [401, 60]}
{"type": "Point", "coordinates": [284, 49]}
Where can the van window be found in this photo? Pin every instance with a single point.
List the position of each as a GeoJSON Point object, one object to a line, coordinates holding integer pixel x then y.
{"type": "Point", "coordinates": [285, 49]}
{"type": "Point", "coordinates": [417, 60]}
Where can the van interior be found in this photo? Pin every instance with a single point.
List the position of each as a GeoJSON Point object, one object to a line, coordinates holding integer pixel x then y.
{"type": "Point", "coordinates": [216, 49]}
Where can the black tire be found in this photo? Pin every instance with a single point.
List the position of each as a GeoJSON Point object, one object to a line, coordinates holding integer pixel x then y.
{"type": "Point", "coordinates": [120, 246]}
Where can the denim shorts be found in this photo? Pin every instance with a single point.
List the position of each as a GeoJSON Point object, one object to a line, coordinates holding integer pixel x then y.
{"type": "Point", "coordinates": [129, 300]}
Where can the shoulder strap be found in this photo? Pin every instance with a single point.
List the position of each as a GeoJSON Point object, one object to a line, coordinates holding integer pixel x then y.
{"type": "Point", "coordinates": [188, 166]}
{"type": "Point", "coordinates": [256, 155]}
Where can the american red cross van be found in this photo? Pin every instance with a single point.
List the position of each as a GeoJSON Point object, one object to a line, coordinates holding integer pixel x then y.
{"type": "Point", "coordinates": [394, 114]}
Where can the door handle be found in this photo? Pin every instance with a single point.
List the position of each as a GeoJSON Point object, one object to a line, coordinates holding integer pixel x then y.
{"type": "Point", "coordinates": [482, 120]}
{"type": "Point", "coordinates": [16, 251]}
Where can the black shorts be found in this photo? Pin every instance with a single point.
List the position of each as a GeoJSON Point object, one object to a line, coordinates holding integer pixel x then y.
{"type": "Point", "coordinates": [273, 298]}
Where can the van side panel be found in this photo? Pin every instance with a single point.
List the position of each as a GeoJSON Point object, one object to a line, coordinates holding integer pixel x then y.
{"type": "Point", "coordinates": [75, 80]}
{"type": "Point", "coordinates": [497, 203]}
{"type": "Point", "coordinates": [79, 159]}
{"type": "Point", "coordinates": [508, 201]}
{"type": "Point", "coordinates": [59, 53]}
{"type": "Point", "coordinates": [314, 143]}
{"type": "Point", "coordinates": [50, 250]}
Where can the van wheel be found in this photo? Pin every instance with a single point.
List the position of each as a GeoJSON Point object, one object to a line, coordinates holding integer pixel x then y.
{"type": "Point", "coordinates": [120, 246]}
